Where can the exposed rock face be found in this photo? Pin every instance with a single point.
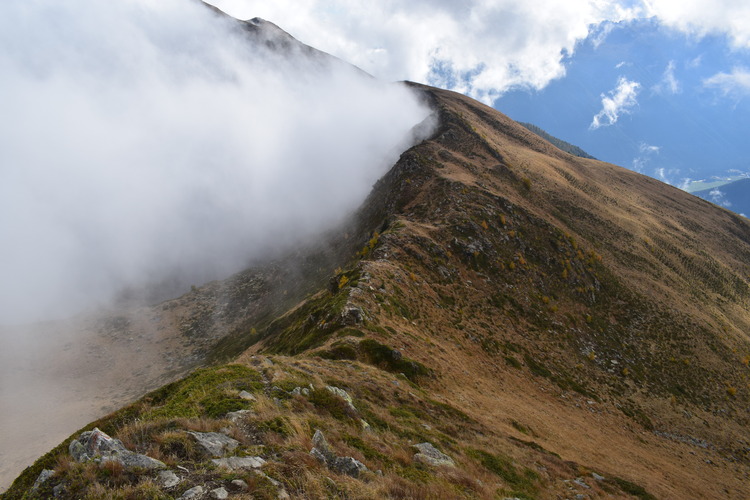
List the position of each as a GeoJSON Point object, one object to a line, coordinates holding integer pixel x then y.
{"type": "Point", "coordinates": [215, 444]}
{"type": "Point", "coordinates": [98, 446]}
{"type": "Point", "coordinates": [430, 455]}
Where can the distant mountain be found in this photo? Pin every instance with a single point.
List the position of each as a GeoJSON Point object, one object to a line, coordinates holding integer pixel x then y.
{"type": "Point", "coordinates": [559, 143]}
{"type": "Point", "coordinates": [734, 196]}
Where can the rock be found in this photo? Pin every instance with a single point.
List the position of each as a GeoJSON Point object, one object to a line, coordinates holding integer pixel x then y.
{"type": "Point", "coordinates": [98, 446]}
{"type": "Point", "coordinates": [597, 476]}
{"type": "Point", "coordinates": [300, 391]}
{"type": "Point", "coordinates": [343, 465]}
{"type": "Point", "coordinates": [281, 493]}
{"type": "Point", "coordinates": [42, 478]}
{"type": "Point", "coordinates": [215, 444]}
{"type": "Point", "coordinates": [219, 494]}
{"type": "Point", "coordinates": [59, 490]}
{"type": "Point", "coordinates": [348, 465]}
{"type": "Point", "coordinates": [365, 426]}
{"type": "Point", "coordinates": [342, 394]}
{"type": "Point", "coordinates": [321, 449]}
{"type": "Point", "coordinates": [236, 416]}
{"type": "Point", "coordinates": [247, 396]}
{"type": "Point", "coordinates": [430, 455]}
{"type": "Point", "coordinates": [234, 463]}
{"type": "Point", "coordinates": [168, 479]}
{"type": "Point", "coordinates": [239, 485]}
{"type": "Point", "coordinates": [351, 315]}
{"type": "Point", "coordinates": [194, 492]}
{"type": "Point", "coordinates": [580, 482]}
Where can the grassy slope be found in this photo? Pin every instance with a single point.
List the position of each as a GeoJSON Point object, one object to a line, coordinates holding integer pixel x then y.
{"type": "Point", "coordinates": [552, 316]}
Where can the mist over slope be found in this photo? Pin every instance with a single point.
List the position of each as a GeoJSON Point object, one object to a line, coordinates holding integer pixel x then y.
{"type": "Point", "coordinates": [145, 142]}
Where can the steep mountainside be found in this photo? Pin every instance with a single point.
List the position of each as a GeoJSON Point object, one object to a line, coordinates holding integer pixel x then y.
{"type": "Point", "coordinates": [557, 326]}
{"type": "Point", "coordinates": [734, 196]}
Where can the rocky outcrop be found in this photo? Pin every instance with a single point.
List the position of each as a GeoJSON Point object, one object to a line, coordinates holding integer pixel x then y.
{"type": "Point", "coordinates": [97, 446]}
{"type": "Point", "coordinates": [341, 465]}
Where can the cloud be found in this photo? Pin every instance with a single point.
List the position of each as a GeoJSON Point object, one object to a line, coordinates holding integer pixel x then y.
{"type": "Point", "coordinates": [647, 151]}
{"type": "Point", "coordinates": [717, 197]}
{"type": "Point", "coordinates": [669, 83]}
{"type": "Point", "coordinates": [648, 148]}
{"type": "Point", "coordinates": [619, 101]}
{"type": "Point", "coordinates": [734, 84]}
{"type": "Point", "coordinates": [700, 18]}
{"type": "Point", "coordinates": [142, 140]}
{"type": "Point", "coordinates": [478, 47]}
{"type": "Point", "coordinates": [481, 47]}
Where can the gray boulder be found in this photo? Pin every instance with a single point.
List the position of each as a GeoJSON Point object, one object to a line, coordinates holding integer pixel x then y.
{"type": "Point", "coordinates": [342, 465]}
{"type": "Point", "coordinates": [348, 465]}
{"type": "Point", "coordinates": [168, 479]}
{"type": "Point", "coordinates": [239, 485]}
{"type": "Point", "coordinates": [97, 446]}
{"type": "Point", "coordinates": [234, 463]}
{"type": "Point", "coordinates": [219, 494]}
{"type": "Point", "coordinates": [321, 449]}
{"type": "Point", "coordinates": [195, 492]}
{"type": "Point", "coordinates": [428, 454]}
{"type": "Point", "coordinates": [42, 478]}
{"type": "Point", "coordinates": [215, 444]}
{"type": "Point", "coordinates": [247, 396]}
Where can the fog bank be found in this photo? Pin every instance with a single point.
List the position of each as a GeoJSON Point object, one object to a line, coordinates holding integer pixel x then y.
{"type": "Point", "coordinates": [142, 140]}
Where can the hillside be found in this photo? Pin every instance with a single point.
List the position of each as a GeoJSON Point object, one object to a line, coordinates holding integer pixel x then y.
{"type": "Point", "coordinates": [556, 326]}
{"type": "Point", "coordinates": [734, 196]}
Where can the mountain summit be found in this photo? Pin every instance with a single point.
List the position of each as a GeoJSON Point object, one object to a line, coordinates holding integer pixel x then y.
{"type": "Point", "coordinates": [500, 319]}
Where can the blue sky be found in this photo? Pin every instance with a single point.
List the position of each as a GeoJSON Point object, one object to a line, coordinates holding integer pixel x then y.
{"type": "Point", "coordinates": [681, 123]}
{"type": "Point", "coordinates": [658, 86]}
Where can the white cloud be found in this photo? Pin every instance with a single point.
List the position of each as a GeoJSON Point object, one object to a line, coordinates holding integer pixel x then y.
{"type": "Point", "coordinates": [648, 148]}
{"type": "Point", "coordinates": [670, 176]}
{"type": "Point", "coordinates": [669, 83]}
{"type": "Point", "coordinates": [695, 62]}
{"type": "Point", "coordinates": [644, 159]}
{"type": "Point", "coordinates": [479, 47]}
{"type": "Point", "coordinates": [736, 83]}
{"type": "Point", "coordinates": [698, 17]}
{"type": "Point", "coordinates": [619, 101]}
{"type": "Point", "coordinates": [717, 197]}
{"type": "Point", "coordinates": [144, 139]}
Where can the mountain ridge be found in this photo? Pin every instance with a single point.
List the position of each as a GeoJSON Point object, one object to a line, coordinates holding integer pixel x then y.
{"type": "Point", "coordinates": [555, 326]}
{"type": "Point", "coordinates": [458, 256]}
